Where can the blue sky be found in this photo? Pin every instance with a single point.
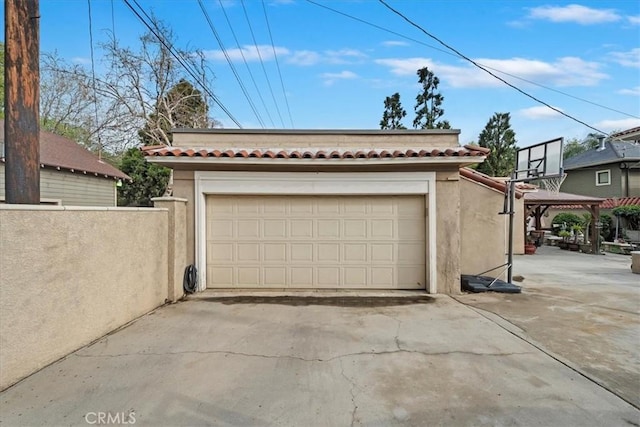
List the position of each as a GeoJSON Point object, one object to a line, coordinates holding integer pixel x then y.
{"type": "Point", "coordinates": [337, 71]}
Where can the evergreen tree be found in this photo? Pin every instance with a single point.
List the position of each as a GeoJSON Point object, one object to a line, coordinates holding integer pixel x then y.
{"type": "Point", "coordinates": [182, 107]}
{"type": "Point", "coordinates": [393, 113]}
{"type": "Point", "coordinates": [498, 136]}
{"type": "Point", "coordinates": [428, 103]}
{"type": "Point", "coordinates": [148, 179]}
{"type": "Point", "coordinates": [573, 147]}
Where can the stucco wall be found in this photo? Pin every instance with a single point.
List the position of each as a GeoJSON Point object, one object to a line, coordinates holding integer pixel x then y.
{"type": "Point", "coordinates": [448, 231]}
{"type": "Point", "coordinates": [483, 232]}
{"type": "Point", "coordinates": [301, 139]}
{"type": "Point", "coordinates": [70, 275]}
{"type": "Point", "coordinates": [184, 188]}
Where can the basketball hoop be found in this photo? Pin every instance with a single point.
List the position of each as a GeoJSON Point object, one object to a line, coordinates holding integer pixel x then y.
{"type": "Point", "coordinates": [552, 183]}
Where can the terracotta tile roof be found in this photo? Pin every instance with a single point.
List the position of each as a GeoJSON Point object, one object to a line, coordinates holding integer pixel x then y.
{"type": "Point", "coordinates": [607, 203]}
{"type": "Point", "coordinates": [620, 201]}
{"type": "Point", "coordinates": [62, 153]}
{"type": "Point", "coordinates": [313, 153]}
{"type": "Point", "coordinates": [544, 197]}
{"type": "Point", "coordinates": [489, 181]}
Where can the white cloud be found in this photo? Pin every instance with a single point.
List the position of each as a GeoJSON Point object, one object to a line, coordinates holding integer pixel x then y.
{"type": "Point", "coordinates": [539, 112]}
{"type": "Point", "coordinates": [615, 125]}
{"type": "Point", "coordinates": [634, 20]}
{"type": "Point", "coordinates": [574, 13]}
{"type": "Point", "coordinates": [341, 56]}
{"type": "Point", "coordinates": [406, 66]}
{"type": "Point", "coordinates": [331, 78]}
{"type": "Point", "coordinates": [567, 71]}
{"type": "Point", "coordinates": [304, 58]}
{"type": "Point", "coordinates": [633, 91]}
{"type": "Point", "coordinates": [393, 43]}
{"type": "Point", "coordinates": [627, 59]}
{"type": "Point", "coordinates": [250, 52]}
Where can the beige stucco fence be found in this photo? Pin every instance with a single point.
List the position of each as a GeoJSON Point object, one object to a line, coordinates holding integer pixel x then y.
{"type": "Point", "coordinates": [69, 275]}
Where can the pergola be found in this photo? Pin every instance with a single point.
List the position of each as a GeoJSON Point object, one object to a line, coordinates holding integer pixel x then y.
{"type": "Point", "coordinates": [536, 204]}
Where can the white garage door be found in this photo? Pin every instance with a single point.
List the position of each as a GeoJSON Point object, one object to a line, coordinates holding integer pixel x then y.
{"type": "Point", "coordinates": [298, 242]}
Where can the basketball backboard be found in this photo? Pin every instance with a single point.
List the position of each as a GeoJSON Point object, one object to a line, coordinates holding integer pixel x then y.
{"type": "Point", "coordinates": [541, 160]}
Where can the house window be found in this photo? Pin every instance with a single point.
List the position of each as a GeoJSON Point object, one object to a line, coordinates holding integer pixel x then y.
{"type": "Point", "coordinates": [603, 177]}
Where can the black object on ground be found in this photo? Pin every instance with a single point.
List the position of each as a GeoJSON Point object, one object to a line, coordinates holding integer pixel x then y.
{"type": "Point", "coordinates": [476, 284]}
{"type": "Point", "coordinates": [190, 279]}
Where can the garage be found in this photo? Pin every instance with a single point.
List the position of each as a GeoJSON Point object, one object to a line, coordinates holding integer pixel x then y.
{"type": "Point", "coordinates": [287, 210]}
{"type": "Point", "coordinates": [328, 242]}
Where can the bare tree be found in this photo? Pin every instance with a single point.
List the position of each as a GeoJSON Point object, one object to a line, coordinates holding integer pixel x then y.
{"type": "Point", "coordinates": [136, 97]}
{"type": "Point", "coordinates": [142, 82]}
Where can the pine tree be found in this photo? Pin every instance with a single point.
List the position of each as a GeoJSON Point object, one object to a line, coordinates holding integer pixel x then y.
{"type": "Point", "coordinates": [428, 103]}
{"type": "Point", "coordinates": [498, 136]}
{"type": "Point", "coordinates": [393, 113]}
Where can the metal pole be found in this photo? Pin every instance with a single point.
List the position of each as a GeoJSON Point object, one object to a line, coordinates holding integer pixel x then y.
{"type": "Point", "coordinates": [512, 191]}
{"type": "Point", "coordinates": [21, 103]}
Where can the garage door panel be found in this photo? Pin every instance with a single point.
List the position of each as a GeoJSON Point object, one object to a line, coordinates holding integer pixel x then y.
{"type": "Point", "coordinates": [315, 242]}
{"type": "Point", "coordinates": [382, 229]}
{"type": "Point", "coordinates": [301, 252]}
{"type": "Point", "coordinates": [247, 252]}
{"type": "Point", "coordinates": [301, 277]}
{"type": "Point", "coordinates": [220, 251]}
{"type": "Point", "coordinates": [301, 228]}
{"type": "Point", "coordinates": [328, 229]}
{"type": "Point", "coordinates": [355, 252]}
{"type": "Point", "coordinates": [220, 228]}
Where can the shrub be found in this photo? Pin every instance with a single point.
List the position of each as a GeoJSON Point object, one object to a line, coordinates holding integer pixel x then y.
{"type": "Point", "coordinates": [631, 213]}
{"type": "Point", "coordinates": [567, 218]}
{"type": "Point", "coordinates": [608, 229]}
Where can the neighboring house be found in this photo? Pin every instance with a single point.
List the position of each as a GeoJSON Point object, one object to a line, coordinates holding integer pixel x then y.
{"type": "Point", "coordinates": [321, 209]}
{"type": "Point", "coordinates": [70, 174]}
{"type": "Point", "coordinates": [609, 171]}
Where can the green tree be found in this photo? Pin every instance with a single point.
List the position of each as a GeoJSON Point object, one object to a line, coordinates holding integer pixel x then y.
{"type": "Point", "coordinates": [573, 146]}
{"type": "Point", "coordinates": [393, 113]}
{"type": "Point", "coordinates": [183, 106]}
{"type": "Point", "coordinates": [148, 179]}
{"type": "Point", "coordinates": [498, 137]}
{"type": "Point", "coordinates": [429, 102]}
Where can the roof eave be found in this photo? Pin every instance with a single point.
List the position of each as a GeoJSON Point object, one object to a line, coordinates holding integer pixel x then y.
{"type": "Point", "coordinates": [444, 160]}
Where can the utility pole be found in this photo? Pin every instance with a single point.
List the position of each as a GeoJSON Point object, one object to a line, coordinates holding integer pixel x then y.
{"type": "Point", "coordinates": [21, 103]}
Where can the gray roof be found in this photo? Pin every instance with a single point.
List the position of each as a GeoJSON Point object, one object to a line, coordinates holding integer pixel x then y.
{"type": "Point", "coordinates": [616, 151]}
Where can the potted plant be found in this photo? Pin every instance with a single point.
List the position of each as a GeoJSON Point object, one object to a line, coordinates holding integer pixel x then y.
{"type": "Point", "coordinates": [574, 245]}
{"type": "Point", "coordinates": [530, 246]}
{"type": "Point", "coordinates": [564, 244]}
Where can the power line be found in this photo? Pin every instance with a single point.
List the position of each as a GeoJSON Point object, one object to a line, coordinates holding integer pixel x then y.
{"type": "Point", "coordinates": [284, 92]}
{"type": "Point", "coordinates": [264, 105]}
{"type": "Point", "coordinates": [487, 71]}
{"type": "Point", "coordinates": [420, 42]}
{"type": "Point", "coordinates": [178, 58]}
{"type": "Point", "coordinates": [264, 70]}
{"type": "Point", "coordinates": [93, 81]}
{"type": "Point", "coordinates": [233, 68]}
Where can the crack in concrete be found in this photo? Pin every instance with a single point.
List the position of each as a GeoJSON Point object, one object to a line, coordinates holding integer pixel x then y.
{"type": "Point", "coordinates": [351, 391]}
{"type": "Point", "coordinates": [396, 338]}
{"type": "Point", "coordinates": [303, 359]}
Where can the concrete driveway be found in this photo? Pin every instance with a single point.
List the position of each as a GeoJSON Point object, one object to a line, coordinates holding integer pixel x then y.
{"type": "Point", "coordinates": [584, 309]}
{"type": "Point", "coordinates": [330, 361]}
